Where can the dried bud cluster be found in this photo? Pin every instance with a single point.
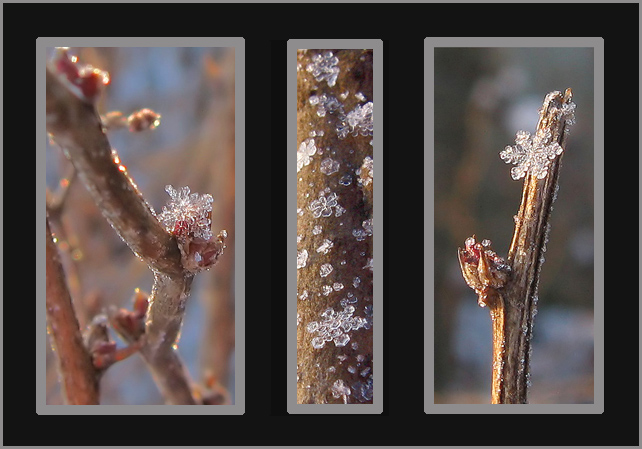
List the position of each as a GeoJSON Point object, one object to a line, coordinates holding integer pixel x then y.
{"type": "Point", "coordinates": [143, 120]}
{"type": "Point", "coordinates": [84, 80]}
{"type": "Point", "coordinates": [482, 268]}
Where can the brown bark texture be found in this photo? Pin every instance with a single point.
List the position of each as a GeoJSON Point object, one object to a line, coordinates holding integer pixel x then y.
{"type": "Point", "coordinates": [334, 227]}
{"type": "Point", "coordinates": [79, 378]}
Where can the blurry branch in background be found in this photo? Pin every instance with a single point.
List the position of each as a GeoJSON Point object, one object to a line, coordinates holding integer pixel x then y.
{"type": "Point", "coordinates": [173, 253]}
{"type": "Point", "coordinates": [510, 287]}
{"type": "Point", "coordinates": [79, 378]}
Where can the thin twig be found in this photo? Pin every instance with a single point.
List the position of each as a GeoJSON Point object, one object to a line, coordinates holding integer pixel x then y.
{"type": "Point", "coordinates": [79, 378]}
{"type": "Point", "coordinates": [510, 289]}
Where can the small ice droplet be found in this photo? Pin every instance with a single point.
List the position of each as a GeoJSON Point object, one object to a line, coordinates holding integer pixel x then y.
{"type": "Point", "coordinates": [325, 270]}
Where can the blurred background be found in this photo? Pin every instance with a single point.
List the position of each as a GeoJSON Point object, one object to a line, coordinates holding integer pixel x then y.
{"type": "Point", "coordinates": [193, 90]}
{"type": "Point", "coordinates": [483, 96]}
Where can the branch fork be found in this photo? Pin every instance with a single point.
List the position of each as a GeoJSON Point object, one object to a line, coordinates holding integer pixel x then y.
{"type": "Point", "coordinates": [510, 288]}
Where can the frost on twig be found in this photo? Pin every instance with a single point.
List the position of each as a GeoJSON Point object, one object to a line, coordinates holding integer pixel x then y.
{"type": "Point", "coordinates": [510, 288]}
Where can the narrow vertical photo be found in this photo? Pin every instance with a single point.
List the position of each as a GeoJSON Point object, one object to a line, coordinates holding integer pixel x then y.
{"type": "Point", "coordinates": [140, 225]}
{"type": "Point", "coordinates": [335, 260]}
{"type": "Point", "coordinates": [513, 225]}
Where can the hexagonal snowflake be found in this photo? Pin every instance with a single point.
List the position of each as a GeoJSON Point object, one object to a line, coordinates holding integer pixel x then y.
{"type": "Point", "coordinates": [531, 154]}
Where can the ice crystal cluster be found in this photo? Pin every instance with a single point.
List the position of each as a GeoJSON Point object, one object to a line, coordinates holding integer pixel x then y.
{"type": "Point", "coordinates": [187, 215]}
{"type": "Point", "coordinates": [335, 327]}
{"type": "Point", "coordinates": [324, 68]}
{"type": "Point", "coordinates": [359, 121]}
{"type": "Point", "coordinates": [326, 104]}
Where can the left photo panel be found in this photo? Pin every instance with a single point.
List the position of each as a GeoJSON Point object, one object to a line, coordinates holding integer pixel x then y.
{"type": "Point", "coordinates": [139, 302]}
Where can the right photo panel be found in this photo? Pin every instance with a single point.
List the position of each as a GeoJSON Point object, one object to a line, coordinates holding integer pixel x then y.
{"type": "Point", "coordinates": [513, 209]}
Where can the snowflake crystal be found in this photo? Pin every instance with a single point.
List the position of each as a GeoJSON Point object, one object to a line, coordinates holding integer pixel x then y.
{"type": "Point", "coordinates": [322, 207]}
{"type": "Point", "coordinates": [324, 68]}
{"type": "Point", "coordinates": [531, 154]}
{"type": "Point", "coordinates": [187, 215]}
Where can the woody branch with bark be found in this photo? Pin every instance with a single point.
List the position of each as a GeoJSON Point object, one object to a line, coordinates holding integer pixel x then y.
{"type": "Point", "coordinates": [175, 245]}
{"type": "Point", "coordinates": [335, 225]}
{"type": "Point", "coordinates": [509, 288]}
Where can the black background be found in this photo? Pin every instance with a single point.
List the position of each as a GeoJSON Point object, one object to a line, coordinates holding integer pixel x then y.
{"type": "Point", "coordinates": [266, 28]}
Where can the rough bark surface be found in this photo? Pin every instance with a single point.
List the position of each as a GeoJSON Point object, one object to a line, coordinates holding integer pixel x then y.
{"type": "Point", "coordinates": [334, 227]}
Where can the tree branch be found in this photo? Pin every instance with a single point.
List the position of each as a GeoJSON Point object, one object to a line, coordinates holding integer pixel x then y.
{"type": "Point", "coordinates": [510, 289]}
{"type": "Point", "coordinates": [335, 227]}
{"type": "Point", "coordinates": [78, 376]}
{"type": "Point", "coordinates": [76, 127]}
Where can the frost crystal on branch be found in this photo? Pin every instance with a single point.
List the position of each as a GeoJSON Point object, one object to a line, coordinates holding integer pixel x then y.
{"type": "Point", "coordinates": [188, 217]}
{"type": "Point", "coordinates": [531, 154]}
{"type": "Point", "coordinates": [187, 214]}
